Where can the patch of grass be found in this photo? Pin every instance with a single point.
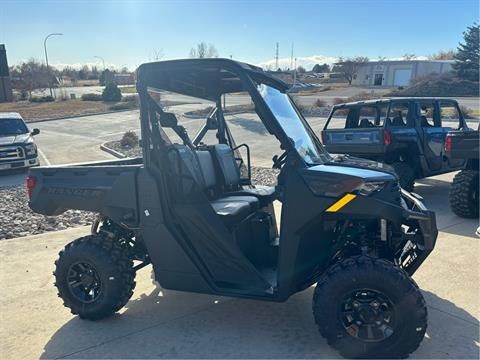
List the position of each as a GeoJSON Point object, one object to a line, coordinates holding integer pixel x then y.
{"type": "Point", "coordinates": [229, 109]}
{"type": "Point", "coordinates": [50, 110]}
{"type": "Point", "coordinates": [122, 106]}
{"type": "Point", "coordinates": [128, 90]}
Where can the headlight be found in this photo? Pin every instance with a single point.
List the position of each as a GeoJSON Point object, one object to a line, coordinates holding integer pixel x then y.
{"type": "Point", "coordinates": [31, 149]}
{"type": "Point", "coordinates": [369, 188]}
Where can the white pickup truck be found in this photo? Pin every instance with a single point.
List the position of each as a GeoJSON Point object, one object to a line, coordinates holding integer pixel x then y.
{"type": "Point", "coordinates": [17, 147]}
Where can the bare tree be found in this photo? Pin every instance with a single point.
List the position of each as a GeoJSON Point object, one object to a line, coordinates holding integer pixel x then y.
{"type": "Point", "coordinates": [349, 67]}
{"type": "Point", "coordinates": [409, 56]}
{"type": "Point", "coordinates": [30, 75]}
{"type": "Point", "coordinates": [301, 69]}
{"type": "Point", "coordinates": [443, 55]}
{"type": "Point", "coordinates": [157, 54]}
{"type": "Point", "coordinates": [202, 50]}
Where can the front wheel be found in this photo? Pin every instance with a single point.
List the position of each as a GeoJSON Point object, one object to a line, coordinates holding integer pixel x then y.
{"type": "Point", "coordinates": [94, 276]}
{"type": "Point", "coordinates": [368, 307]}
{"type": "Point", "coordinates": [464, 199]}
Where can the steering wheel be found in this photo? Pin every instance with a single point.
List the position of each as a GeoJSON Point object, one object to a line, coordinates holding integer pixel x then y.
{"type": "Point", "coordinates": [278, 161]}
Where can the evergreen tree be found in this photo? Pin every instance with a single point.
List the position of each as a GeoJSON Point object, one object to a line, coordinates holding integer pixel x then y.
{"type": "Point", "coordinates": [467, 58]}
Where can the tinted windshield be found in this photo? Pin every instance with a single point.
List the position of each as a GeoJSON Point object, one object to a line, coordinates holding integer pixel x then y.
{"type": "Point", "coordinates": [12, 127]}
{"type": "Point", "coordinates": [293, 125]}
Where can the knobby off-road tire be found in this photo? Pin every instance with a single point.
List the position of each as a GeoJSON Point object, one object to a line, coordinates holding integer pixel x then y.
{"type": "Point", "coordinates": [464, 199]}
{"type": "Point", "coordinates": [400, 297]}
{"type": "Point", "coordinates": [94, 277]}
{"type": "Point", "coordinates": [406, 175]}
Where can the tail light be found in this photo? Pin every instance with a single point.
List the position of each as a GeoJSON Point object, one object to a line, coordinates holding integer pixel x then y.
{"type": "Point", "coordinates": [31, 182]}
{"type": "Point", "coordinates": [386, 136]}
{"type": "Point", "coordinates": [448, 143]}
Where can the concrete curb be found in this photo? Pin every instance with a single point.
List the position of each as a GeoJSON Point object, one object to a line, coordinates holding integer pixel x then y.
{"type": "Point", "coordinates": [112, 152]}
{"type": "Point", "coordinates": [77, 116]}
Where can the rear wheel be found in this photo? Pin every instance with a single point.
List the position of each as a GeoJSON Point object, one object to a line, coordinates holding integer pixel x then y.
{"type": "Point", "coordinates": [464, 199]}
{"type": "Point", "coordinates": [368, 307]}
{"type": "Point", "coordinates": [406, 175]}
{"type": "Point", "coordinates": [94, 277]}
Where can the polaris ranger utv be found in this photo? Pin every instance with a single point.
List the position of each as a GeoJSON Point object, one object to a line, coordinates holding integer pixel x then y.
{"type": "Point", "coordinates": [406, 133]}
{"type": "Point", "coordinates": [464, 199]}
{"type": "Point", "coordinates": [190, 210]}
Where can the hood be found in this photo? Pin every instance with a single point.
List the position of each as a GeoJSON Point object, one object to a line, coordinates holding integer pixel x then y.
{"type": "Point", "coordinates": [354, 162]}
{"type": "Point", "coordinates": [14, 139]}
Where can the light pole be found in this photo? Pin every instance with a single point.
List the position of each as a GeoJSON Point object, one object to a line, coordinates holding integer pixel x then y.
{"type": "Point", "coordinates": [46, 59]}
{"type": "Point", "coordinates": [103, 61]}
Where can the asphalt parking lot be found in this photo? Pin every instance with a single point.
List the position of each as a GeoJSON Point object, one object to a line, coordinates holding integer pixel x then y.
{"type": "Point", "coordinates": [160, 323]}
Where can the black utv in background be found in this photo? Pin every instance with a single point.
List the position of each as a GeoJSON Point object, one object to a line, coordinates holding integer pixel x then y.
{"type": "Point", "coordinates": [406, 133]}
{"type": "Point", "coordinates": [188, 208]}
{"type": "Point", "coordinates": [464, 199]}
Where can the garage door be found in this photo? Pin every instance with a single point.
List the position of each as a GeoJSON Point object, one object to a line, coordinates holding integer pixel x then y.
{"type": "Point", "coordinates": [401, 77]}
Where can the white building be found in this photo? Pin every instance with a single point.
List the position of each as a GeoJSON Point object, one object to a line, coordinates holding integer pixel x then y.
{"type": "Point", "coordinates": [398, 73]}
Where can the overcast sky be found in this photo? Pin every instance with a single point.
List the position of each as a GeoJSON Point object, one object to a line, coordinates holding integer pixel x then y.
{"type": "Point", "coordinates": [128, 33]}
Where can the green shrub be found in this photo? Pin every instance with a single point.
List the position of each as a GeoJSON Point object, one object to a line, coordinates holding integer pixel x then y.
{"type": "Point", "coordinates": [121, 106]}
{"type": "Point", "coordinates": [42, 99]}
{"type": "Point", "coordinates": [129, 139]}
{"type": "Point", "coordinates": [92, 97]}
{"type": "Point", "coordinates": [111, 93]}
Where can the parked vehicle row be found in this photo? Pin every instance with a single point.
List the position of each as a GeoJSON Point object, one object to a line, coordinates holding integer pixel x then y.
{"type": "Point", "coordinates": [407, 133]}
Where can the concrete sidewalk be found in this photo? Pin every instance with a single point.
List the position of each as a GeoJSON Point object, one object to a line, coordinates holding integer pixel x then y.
{"type": "Point", "coordinates": [169, 324]}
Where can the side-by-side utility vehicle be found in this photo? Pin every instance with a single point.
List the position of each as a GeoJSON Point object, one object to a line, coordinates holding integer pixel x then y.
{"type": "Point", "coordinates": [406, 133]}
{"type": "Point", "coordinates": [464, 199]}
{"type": "Point", "coordinates": [188, 208]}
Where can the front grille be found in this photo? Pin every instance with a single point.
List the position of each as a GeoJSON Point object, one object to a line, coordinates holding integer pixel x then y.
{"type": "Point", "coordinates": [11, 153]}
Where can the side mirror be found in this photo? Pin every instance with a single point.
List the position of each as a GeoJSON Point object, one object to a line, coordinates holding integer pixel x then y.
{"type": "Point", "coordinates": [35, 132]}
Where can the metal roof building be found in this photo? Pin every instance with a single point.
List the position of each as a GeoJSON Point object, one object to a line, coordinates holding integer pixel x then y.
{"type": "Point", "coordinates": [398, 73]}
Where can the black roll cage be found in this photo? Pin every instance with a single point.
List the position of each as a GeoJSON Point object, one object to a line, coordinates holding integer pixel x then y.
{"type": "Point", "coordinates": [159, 76]}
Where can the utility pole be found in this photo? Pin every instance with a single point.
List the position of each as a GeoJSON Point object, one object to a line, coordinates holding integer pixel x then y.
{"type": "Point", "coordinates": [46, 59]}
{"type": "Point", "coordinates": [276, 57]}
{"type": "Point", "coordinates": [103, 61]}
{"type": "Point", "coordinates": [295, 73]}
{"type": "Point", "coordinates": [291, 57]}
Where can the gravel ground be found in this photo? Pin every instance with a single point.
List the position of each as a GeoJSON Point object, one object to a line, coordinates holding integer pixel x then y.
{"type": "Point", "coordinates": [16, 218]}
